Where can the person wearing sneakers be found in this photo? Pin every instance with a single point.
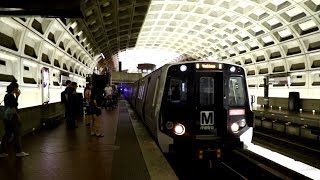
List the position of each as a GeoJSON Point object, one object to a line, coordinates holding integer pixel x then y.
{"type": "Point", "coordinates": [11, 120]}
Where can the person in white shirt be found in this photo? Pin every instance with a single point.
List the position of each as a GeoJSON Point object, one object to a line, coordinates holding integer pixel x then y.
{"type": "Point", "coordinates": [108, 95]}
{"type": "Point", "coordinates": [108, 90]}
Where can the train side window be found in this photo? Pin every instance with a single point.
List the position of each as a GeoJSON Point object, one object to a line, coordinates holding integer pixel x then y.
{"type": "Point", "coordinates": [177, 91]}
{"type": "Point", "coordinates": [236, 91]}
{"type": "Point", "coordinates": [155, 92]}
{"type": "Point", "coordinates": [206, 91]}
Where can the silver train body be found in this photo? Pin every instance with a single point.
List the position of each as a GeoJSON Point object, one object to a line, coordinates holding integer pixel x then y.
{"type": "Point", "coordinates": [201, 107]}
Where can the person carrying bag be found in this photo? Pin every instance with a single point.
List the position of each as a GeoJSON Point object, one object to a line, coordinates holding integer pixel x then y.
{"type": "Point", "coordinates": [11, 120]}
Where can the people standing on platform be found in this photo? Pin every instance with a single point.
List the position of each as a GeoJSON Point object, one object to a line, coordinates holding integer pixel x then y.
{"type": "Point", "coordinates": [108, 91]}
{"type": "Point", "coordinates": [64, 93]}
{"type": "Point", "coordinates": [64, 99]}
{"type": "Point", "coordinates": [87, 95]}
{"type": "Point", "coordinates": [12, 121]}
{"type": "Point", "coordinates": [78, 103]}
{"type": "Point", "coordinates": [108, 96]}
{"type": "Point", "coordinates": [73, 103]}
{"type": "Point", "coordinates": [95, 126]}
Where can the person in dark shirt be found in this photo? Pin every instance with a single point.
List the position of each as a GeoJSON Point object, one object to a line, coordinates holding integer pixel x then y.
{"type": "Point", "coordinates": [74, 103]}
{"type": "Point", "coordinates": [64, 93]}
{"type": "Point", "coordinates": [66, 99]}
{"type": "Point", "coordinates": [12, 123]}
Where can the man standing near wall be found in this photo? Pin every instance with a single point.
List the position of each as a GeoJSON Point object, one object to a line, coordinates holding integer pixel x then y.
{"type": "Point", "coordinates": [65, 99]}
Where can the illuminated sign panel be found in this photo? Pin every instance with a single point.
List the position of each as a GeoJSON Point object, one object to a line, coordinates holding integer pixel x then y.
{"type": "Point", "coordinates": [45, 85]}
{"type": "Point", "coordinates": [44, 8]}
{"type": "Point", "coordinates": [208, 66]}
{"type": "Point", "coordinates": [204, 66]}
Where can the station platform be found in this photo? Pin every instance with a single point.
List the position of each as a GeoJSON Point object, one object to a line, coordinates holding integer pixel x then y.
{"type": "Point", "coordinates": [126, 152]}
{"type": "Point", "coordinates": [301, 127]}
{"type": "Point", "coordinates": [302, 118]}
{"type": "Point", "coordinates": [285, 112]}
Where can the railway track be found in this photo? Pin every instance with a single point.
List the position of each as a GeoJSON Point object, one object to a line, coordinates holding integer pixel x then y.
{"type": "Point", "coordinates": [237, 164]}
{"type": "Point", "coordinates": [252, 166]}
{"type": "Point", "coordinates": [289, 146]}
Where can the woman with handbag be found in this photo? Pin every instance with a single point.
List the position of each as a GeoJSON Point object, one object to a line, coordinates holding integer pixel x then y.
{"type": "Point", "coordinates": [11, 120]}
{"type": "Point", "coordinates": [96, 121]}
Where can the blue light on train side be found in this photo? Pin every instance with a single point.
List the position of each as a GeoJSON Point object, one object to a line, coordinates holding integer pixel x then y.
{"type": "Point", "coordinates": [183, 87]}
{"type": "Point", "coordinates": [183, 68]}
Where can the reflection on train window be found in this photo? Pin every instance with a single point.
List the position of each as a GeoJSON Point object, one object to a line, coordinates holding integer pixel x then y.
{"type": "Point", "coordinates": [177, 90]}
{"type": "Point", "coordinates": [141, 91]}
{"type": "Point", "coordinates": [206, 91]}
{"type": "Point", "coordinates": [236, 91]}
{"type": "Point", "coordinates": [155, 92]}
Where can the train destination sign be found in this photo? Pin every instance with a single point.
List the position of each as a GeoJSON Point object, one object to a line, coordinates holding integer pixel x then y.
{"type": "Point", "coordinates": [208, 66]}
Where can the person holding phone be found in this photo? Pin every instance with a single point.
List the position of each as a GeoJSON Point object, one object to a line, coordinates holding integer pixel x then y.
{"type": "Point", "coordinates": [11, 120]}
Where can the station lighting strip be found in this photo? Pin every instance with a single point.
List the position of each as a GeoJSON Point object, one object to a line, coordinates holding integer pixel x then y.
{"type": "Point", "coordinates": [227, 29]}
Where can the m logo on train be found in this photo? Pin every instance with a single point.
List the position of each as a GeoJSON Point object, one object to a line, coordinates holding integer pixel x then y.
{"type": "Point", "coordinates": [206, 120]}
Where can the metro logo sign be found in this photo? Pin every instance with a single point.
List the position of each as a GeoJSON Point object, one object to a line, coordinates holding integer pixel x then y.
{"type": "Point", "coordinates": [206, 118]}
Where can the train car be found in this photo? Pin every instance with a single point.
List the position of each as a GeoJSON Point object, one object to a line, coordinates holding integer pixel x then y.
{"type": "Point", "coordinates": [199, 108]}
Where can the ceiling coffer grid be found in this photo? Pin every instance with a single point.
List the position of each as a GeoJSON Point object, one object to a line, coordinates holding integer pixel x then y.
{"type": "Point", "coordinates": [113, 25]}
{"type": "Point", "coordinates": [230, 28]}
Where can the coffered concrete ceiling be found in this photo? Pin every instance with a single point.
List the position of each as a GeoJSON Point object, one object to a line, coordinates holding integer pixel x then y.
{"type": "Point", "coordinates": [278, 34]}
{"type": "Point", "coordinates": [113, 25]}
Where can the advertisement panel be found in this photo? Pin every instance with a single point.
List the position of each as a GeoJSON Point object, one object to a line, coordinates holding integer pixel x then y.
{"type": "Point", "coordinates": [45, 84]}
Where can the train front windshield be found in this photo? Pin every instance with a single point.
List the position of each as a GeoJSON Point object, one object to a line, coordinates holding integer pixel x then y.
{"type": "Point", "coordinates": [236, 91]}
{"type": "Point", "coordinates": [196, 98]}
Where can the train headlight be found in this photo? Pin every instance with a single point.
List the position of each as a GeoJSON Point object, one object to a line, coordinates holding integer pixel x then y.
{"type": "Point", "coordinates": [235, 127]}
{"type": "Point", "coordinates": [233, 69]}
{"type": "Point", "coordinates": [242, 123]}
{"type": "Point", "coordinates": [179, 129]}
{"type": "Point", "coordinates": [183, 68]}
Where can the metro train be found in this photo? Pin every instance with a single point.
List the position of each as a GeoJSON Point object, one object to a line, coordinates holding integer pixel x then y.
{"type": "Point", "coordinates": [198, 107]}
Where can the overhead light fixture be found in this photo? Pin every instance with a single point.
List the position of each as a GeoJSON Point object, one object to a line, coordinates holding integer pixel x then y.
{"type": "Point", "coordinates": [73, 25]}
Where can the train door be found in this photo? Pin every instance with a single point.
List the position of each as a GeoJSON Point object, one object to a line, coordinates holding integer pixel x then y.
{"type": "Point", "coordinates": [209, 102]}
{"type": "Point", "coordinates": [144, 99]}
